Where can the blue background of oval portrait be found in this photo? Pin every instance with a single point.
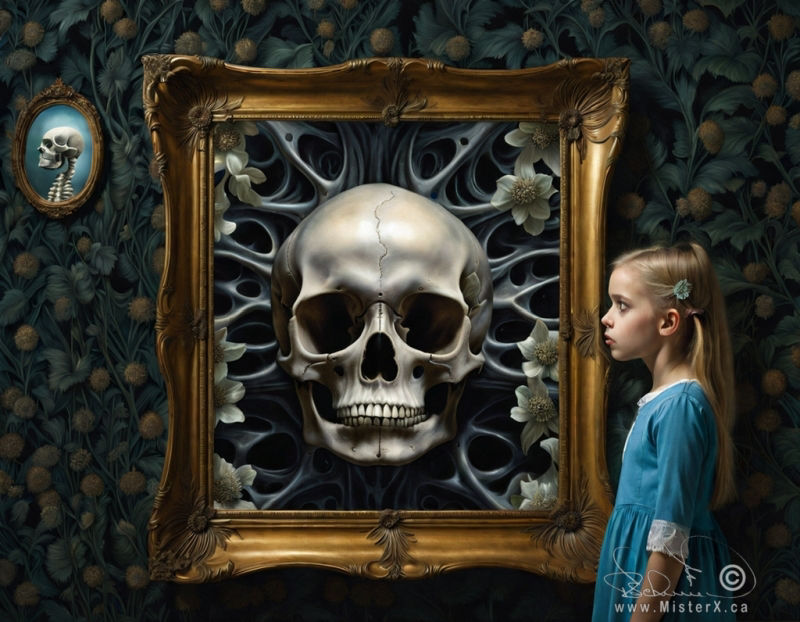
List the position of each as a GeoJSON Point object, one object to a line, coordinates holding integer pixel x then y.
{"type": "Point", "coordinates": [57, 116]}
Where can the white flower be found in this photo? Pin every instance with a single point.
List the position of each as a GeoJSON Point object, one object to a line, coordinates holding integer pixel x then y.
{"type": "Point", "coordinates": [228, 484]}
{"type": "Point", "coordinates": [539, 141]}
{"type": "Point", "coordinates": [238, 176]}
{"type": "Point", "coordinates": [226, 393]}
{"type": "Point", "coordinates": [241, 178]}
{"type": "Point", "coordinates": [540, 493]}
{"type": "Point", "coordinates": [221, 205]}
{"type": "Point", "coordinates": [527, 195]}
{"type": "Point", "coordinates": [536, 410]}
{"type": "Point", "coordinates": [239, 129]}
{"type": "Point", "coordinates": [540, 350]}
{"type": "Point", "coordinates": [550, 445]}
{"type": "Point", "coordinates": [225, 351]}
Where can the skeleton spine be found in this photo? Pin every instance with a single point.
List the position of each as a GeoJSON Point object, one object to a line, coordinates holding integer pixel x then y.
{"type": "Point", "coordinates": [61, 189]}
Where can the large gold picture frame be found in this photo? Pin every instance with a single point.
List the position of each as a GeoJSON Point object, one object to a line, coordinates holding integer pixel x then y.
{"type": "Point", "coordinates": [190, 540]}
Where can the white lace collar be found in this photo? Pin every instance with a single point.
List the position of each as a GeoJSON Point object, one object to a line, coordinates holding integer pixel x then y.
{"type": "Point", "coordinates": [647, 397]}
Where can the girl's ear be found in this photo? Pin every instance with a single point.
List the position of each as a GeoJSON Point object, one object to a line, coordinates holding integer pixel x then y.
{"type": "Point", "coordinates": [670, 321]}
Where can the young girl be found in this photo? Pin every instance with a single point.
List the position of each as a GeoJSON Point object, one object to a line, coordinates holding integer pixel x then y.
{"type": "Point", "coordinates": [664, 555]}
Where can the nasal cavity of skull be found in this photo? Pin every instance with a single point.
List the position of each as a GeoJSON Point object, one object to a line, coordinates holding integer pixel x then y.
{"type": "Point", "coordinates": [433, 322]}
{"type": "Point", "coordinates": [328, 323]}
{"type": "Point", "coordinates": [379, 358]}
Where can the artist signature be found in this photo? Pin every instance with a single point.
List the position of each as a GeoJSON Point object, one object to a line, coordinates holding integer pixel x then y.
{"type": "Point", "coordinates": [733, 578]}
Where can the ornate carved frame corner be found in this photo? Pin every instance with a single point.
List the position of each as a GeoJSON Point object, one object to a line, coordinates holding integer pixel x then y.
{"type": "Point", "coordinates": [190, 541]}
{"type": "Point", "coordinates": [57, 93]}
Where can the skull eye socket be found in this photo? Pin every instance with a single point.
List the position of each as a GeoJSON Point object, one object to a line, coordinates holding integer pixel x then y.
{"type": "Point", "coordinates": [433, 322]}
{"type": "Point", "coordinates": [47, 143]}
{"type": "Point", "coordinates": [329, 322]}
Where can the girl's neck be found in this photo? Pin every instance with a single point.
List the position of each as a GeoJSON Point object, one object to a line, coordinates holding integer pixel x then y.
{"type": "Point", "coordinates": [668, 370]}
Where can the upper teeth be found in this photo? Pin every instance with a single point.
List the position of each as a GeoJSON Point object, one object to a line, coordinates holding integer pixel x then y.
{"type": "Point", "coordinates": [380, 415]}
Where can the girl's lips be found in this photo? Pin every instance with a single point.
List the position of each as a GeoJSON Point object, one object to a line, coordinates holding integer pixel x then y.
{"type": "Point", "coordinates": [608, 340]}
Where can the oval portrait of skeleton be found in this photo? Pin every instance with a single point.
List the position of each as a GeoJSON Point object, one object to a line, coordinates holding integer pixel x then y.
{"type": "Point", "coordinates": [58, 153]}
{"type": "Point", "coordinates": [57, 150]}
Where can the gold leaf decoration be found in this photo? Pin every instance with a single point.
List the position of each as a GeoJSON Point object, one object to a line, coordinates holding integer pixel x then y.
{"type": "Point", "coordinates": [586, 113]}
{"type": "Point", "coordinates": [586, 326]}
{"type": "Point", "coordinates": [205, 107]}
{"type": "Point", "coordinates": [574, 531]}
{"type": "Point", "coordinates": [190, 534]}
{"type": "Point", "coordinates": [395, 540]}
{"type": "Point", "coordinates": [397, 100]}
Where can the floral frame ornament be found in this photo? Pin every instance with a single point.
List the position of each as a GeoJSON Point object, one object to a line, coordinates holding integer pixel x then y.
{"type": "Point", "coordinates": [557, 528]}
{"type": "Point", "coordinates": [57, 152]}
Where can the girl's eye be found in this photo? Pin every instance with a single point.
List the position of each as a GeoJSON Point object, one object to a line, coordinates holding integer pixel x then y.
{"type": "Point", "coordinates": [622, 306]}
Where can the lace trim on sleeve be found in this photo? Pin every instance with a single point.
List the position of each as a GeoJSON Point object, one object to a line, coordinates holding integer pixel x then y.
{"type": "Point", "coordinates": [668, 538]}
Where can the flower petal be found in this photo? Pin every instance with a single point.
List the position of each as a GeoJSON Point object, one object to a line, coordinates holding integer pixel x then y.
{"type": "Point", "coordinates": [552, 158]}
{"type": "Point", "coordinates": [247, 127]}
{"type": "Point", "coordinates": [537, 388]}
{"type": "Point", "coordinates": [550, 445]}
{"type": "Point", "coordinates": [531, 433]}
{"type": "Point", "coordinates": [518, 413]}
{"type": "Point", "coordinates": [540, 332]}
{"type": "Point", "coordinates": [519, 213]}
{"type": "Point", "coordinates": [246, 474]}
{"type": "Point", "coordinates": [235, 161]}
{"type": "Point", "coordinates": [518, 137]}
{"type": "Point", "coordinates": [254, 174]}
{"type": "Point", "coordinates": [523, 168]}
{"type": "Point", "coordinates": [532, 369]}
{"type": "Point", "coordinates": [527, 348]}
{"type": "Point", "coordinates": [539, 209]}
{"type": "Point", "coordinates": [534, 226]}
{"type": "Point", "coordinates": [228, 413]}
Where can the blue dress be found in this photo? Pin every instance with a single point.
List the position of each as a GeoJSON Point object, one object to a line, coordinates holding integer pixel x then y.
{"type": "Point", "coordinates": [665, 486]}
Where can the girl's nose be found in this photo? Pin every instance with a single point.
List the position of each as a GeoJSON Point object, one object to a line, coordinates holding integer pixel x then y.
{"type": "Point", "coordinates": [605, 321]}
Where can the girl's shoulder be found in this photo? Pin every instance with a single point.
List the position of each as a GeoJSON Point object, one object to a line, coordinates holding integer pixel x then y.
{"type": "Point", "coordinates": [685, 399]}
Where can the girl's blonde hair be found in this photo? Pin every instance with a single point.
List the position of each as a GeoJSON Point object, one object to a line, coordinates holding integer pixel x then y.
{"type": "Point", "coordinates": [709, 346]}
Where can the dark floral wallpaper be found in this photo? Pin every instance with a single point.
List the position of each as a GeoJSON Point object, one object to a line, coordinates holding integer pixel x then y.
{"type": "Point", "coordinates": [712, 153]}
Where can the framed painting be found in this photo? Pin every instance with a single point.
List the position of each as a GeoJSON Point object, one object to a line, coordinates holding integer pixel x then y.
{"type": "Point", "coordinates": [378, 320]}
{"type": "Point", "coordinates": [57, 153]}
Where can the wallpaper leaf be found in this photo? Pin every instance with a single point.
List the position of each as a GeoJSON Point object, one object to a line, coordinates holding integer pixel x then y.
{"type": "Point", "coordinates": [723, 56]}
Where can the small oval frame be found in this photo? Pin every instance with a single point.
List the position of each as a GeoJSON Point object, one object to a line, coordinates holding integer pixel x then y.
{"type": "Point", "coordinates": [57, 94]}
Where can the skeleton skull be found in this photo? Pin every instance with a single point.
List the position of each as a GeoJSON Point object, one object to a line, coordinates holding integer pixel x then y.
{"type": "Point", "coordinates": [381, 300]}
{"type": "Point", "coordinates": [59, 144]}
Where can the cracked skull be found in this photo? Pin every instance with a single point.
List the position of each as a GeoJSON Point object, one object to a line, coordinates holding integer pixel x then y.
{"type": "Point", "coordinates": [59, 144]}
{"type": "Point", "coordinates": [381, 301]}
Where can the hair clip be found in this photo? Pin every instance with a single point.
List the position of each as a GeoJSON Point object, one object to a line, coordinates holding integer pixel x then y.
{"type": "Point", "coordinates": [682, 289]}
{"type": "Point", "coordinates": [695, 312]}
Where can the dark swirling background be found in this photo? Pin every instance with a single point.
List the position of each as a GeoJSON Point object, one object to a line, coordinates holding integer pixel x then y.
{"type": "Point", "coordinates": [457, 165]}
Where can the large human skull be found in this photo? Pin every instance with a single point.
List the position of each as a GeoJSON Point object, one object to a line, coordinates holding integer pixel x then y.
{"type": "Point", "coordinates": [381, 300]}
{"type": "Point", "coordinates": [58, 144]}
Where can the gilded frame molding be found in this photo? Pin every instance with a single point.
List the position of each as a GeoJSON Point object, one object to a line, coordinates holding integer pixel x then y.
{"type": "Point", "coordinates": [189, 540]}
{"type": "Point", "coordinates": [57, 94]}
